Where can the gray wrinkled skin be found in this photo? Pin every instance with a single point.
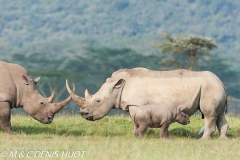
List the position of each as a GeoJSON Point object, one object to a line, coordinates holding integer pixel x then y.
{"type": "Point", "coordinates": [127, 89]}
{"type": "Point", "coordinates": [17, 89]}
{"type": "Point", "coordinates": [157, 117]}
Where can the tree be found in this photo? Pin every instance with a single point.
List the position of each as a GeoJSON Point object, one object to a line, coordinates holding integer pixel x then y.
{"type": "Point", "coordinates": [190, 46]}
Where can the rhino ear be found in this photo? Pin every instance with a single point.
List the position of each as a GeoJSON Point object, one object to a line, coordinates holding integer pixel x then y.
{"type": "Point", "coordinates": [119, 83]}
{"type": "Point", "coordinates": [179, 108]}
{"type": "Point", "coordinates": [36, 80]}
{"type": "Point", "coordinates": [25, 79]}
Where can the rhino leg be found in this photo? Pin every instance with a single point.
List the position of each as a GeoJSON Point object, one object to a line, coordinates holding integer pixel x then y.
{"type": "Point", "coordinates": [5, 117]}
{"type": "Point", "coordinates": [135, 130]}
{"type": "Point", "coordinates": [209, 128]}
{"type": "Point", "coordinates": [164, 131]}
{"type": "Point", "coordinates": [135, 126]}
{"type": "Point", "coordinates": [132, 111]}
{"type": "Point", "coordinates": [222, 126]}
{"type": "Point", "coordinates": [140, 131]}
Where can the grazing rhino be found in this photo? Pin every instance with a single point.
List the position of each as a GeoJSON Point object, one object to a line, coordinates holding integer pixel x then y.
{"type": "Point", "coordinates": [157, 117]}
{"type": "Point", "coordinates": [129, 88]}
{"type": "Point", "coordinates": [17, 89]}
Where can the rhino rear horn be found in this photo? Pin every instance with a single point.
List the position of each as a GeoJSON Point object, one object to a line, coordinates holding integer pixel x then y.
{"type": "Point", "coordinates": [51, 98]}
{"type": "Point", "coordinates": [36, 80]}
{"type": "Point", "coordinates": [87, 94]}
{"type": "Point", "coordinates": [78, 100]}
{"type": "Point", "coordinates": [59, 106]}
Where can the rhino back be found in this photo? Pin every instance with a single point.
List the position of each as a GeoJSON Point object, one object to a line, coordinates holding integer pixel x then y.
{"type": "Point", "coordinates": [10, 76]}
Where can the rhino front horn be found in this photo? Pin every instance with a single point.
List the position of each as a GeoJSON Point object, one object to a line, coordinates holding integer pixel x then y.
{"type": "Point", "coordinates": [59, 106]}
{"type": "Point", "coordinates": [78, 100]}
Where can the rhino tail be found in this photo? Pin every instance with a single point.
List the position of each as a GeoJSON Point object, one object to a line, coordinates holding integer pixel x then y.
{"type": "Point", "coordinates": [201, 113]}
{"type": "Point", "coordinates": [226, 106]}
{"type": "Point", "coordinates": [199, 103]}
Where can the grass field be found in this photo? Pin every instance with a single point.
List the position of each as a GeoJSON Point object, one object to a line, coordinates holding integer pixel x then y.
{"type": "Point", "coordinates": [72, 137]}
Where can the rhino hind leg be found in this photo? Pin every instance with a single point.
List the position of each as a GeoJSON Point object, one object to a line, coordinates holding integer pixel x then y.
{"type": "Point", "coordinates": [209, 128]}
{"type": "Point", "coordinates": [5, 117]}
{"type": "Point", "coordinates": [222, 126]}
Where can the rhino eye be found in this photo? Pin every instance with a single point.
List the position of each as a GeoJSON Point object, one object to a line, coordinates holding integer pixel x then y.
{"type": "Point", "coordinates": [98, 100]}
{"type": "Point", "coordinates": [41, 102]}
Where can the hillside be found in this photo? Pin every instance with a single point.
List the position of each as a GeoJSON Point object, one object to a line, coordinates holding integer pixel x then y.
{"type": "Point", "coordinates": [62, 27]}
{"type": "Point", "coordinates": [87, 40]}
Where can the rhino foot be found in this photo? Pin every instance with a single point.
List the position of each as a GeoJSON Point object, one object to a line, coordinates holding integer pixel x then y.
{"type": "Point", "coordinates": [223, 137]}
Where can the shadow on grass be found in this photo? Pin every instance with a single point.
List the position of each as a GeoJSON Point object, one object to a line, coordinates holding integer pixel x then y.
{"type": "Point", "coordinates": [29, 130]}
{"type": "Point", "coordinates": [176, 132]}
{"type": "Point", "coordinates": [181, 132]}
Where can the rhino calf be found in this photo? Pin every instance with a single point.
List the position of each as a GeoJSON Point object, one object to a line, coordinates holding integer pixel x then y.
{"type": "Point", "coordinates": [157, 117]}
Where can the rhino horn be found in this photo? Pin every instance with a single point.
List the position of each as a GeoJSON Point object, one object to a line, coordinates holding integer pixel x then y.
{"type": "Point", "coordinates": [51, 98]}
{"type": "Point", "coordinates": [60, 105]}
{"type": "Point", "coordinates": [78, 100]}
{"type": "Point", "coordinates": [36, 80]}
{"type": "Point", "coordinates": [87, 94]}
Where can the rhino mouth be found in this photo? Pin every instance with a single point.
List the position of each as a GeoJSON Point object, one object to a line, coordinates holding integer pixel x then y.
{"type": "Point", "coordinates": [87, 116]}
{"type": "Point", "coordinates": [44, 122]}
{"type": "Point", "coordinates": [47, 120]}
{"type": "Point", "coordinates": [90, 118]}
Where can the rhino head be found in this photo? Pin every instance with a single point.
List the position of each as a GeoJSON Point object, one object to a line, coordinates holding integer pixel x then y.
{"type": "Point", "coordinates": [181, 117]}
{"type": "Point", "coordinates": [94, 107]}
{"type": "Point", "coordinates": [40, 108]}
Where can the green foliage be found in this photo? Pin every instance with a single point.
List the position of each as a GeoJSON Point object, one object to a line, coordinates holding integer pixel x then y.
{"type": "Point", "coordinates": [89, 71]}
{"type": "Point", "coordinates": [61, 30]}
{"type": "Point", "coordinates": [100, 63]}
{"type": "Point", "coordinates": [225, 72]}
{"type": "Point", "coordinates": [192, 46]}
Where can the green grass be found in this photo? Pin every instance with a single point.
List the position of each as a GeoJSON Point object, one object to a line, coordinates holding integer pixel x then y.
{"type": "Point", "coordinates": [112, 138]}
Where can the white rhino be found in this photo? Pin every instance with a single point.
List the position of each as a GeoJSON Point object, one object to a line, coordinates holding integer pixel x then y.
{"type": "Point", "coordinates": [17, 89]}
{"type": "Point", "coordinates": [129, 88]}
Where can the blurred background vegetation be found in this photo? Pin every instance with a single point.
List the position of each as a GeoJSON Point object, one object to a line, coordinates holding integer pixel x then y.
{"type": "Point", "coordinates": [85, 41]}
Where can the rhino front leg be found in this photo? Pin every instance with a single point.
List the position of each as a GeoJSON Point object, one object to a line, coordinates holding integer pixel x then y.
{"type": "Point", "coordinates": [132, 111]}
{"type": "Point", "coordinates": [5, 117]}
{"type": "Point", "coordinates": [135, 127]}
{"type": "Point", "coordinates": [140, 131]}
{"type": "Point", "coordinates": [135, 130]}
{"type": "Point", "coordinates": [164, 133]}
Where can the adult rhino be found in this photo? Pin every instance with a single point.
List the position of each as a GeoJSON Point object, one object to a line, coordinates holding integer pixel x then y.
{"type": "Point", "coordinates": [17, 89]}
{"type": "Point", "coordinates": [130, 88]}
